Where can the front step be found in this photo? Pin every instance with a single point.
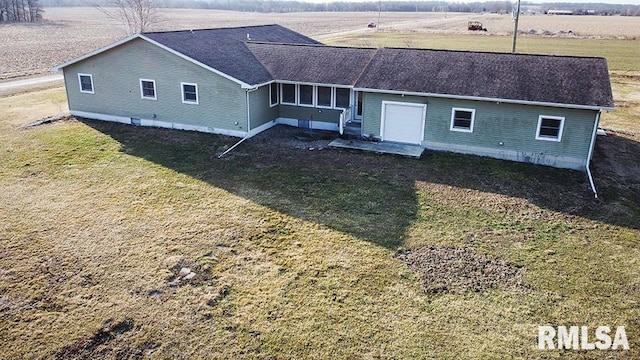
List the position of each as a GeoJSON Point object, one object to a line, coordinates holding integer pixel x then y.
{"type": "Point", "coordinates": [353, 129]}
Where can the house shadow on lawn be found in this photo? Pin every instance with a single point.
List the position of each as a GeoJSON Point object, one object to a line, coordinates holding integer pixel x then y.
{"type": "Point", "coordinates": [374, 196]}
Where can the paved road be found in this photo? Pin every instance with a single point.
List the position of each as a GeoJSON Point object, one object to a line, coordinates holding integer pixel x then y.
{"type": "Point", "coordinates": [398, 25]}
{"type": "Point", "coordinates": [16, 84]}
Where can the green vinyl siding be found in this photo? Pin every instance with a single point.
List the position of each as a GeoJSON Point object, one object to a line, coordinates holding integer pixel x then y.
{"type": "Point", "coordinates": [372, 110]}
{"type": "Point", "coordinates": [261, 111]}
{"type": "Point", "coordinates": [501, 130]}
{"type": "Point", "coordinates": [116, 78]}
{"type": "Point", "coordinates": [309, 113]}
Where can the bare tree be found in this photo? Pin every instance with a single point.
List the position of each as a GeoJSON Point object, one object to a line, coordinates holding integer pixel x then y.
{"type": "Point", "coordinates": [137, 15]}
{"type": "Point", "coordinates": [35, 11]}
{"type": "Point", "coordinates": [409, 43]}
{"type": "Point", "coordinates": [18, 11]}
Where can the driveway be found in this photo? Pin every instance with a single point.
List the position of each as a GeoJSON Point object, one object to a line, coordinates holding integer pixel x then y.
{"type": "Point", "coordinates": [17, 84]}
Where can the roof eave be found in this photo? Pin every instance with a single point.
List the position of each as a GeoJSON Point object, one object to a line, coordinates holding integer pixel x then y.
{"type": "Point", "coordinates": [480, 98]}
{"type": "Point", "coordinates": [57, 68]}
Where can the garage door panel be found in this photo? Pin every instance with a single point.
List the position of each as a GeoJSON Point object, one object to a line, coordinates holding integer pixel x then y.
{"type": "Point", "coordinates": [403, 122]}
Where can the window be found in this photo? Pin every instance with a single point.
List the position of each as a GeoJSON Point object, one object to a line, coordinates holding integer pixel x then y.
{"type": "Point", "coordinates": [343, 98]}
{"type": "Point", "coordinates": [273, 94]}
{"type": "Point", "coordinates": [462, 119]}
{"type": "Point", "coordinates": [189, 93]}
{"type": "Point", "coordinates": [288, 94]}
{"type": "Point", "coordinates": [550, 128]}
{"type": "Point", "coordinates": [148, 89]}
{"type": "Point", "coordinates": [86, 83]}
{"type": "Point", "coordinates": [324, 96]}
{"type": "Point", "coordinates": [305, 96]}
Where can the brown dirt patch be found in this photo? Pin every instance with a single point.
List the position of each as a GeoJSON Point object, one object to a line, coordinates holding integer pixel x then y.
{"type": "Point", "coordinates": [97, 346]}
{"type": "Point", "coordinates": [295, 138]}
{"type": "Point", "coordinates": [195, 273]}
{"type": "Point", "coordinates": [457, 270]}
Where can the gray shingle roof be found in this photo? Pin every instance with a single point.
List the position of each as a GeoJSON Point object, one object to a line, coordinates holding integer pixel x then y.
{"type": "Point", "coordinates": [277, 53]}
{"type": "Point", "coordinates": [537, 78]}
{"type": "Point", "coordinates": [312, 63]}
{"type": "Point", "coordinates": [224, 49]}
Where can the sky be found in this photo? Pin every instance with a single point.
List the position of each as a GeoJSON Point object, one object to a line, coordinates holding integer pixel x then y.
{"type": "Point", "coordinates": [631, 2]}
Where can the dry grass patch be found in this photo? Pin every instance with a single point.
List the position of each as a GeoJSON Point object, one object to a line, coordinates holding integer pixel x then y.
{"type": "Point", "coordinates": [626, 90]}
{"type": "Point", "coordinates": [620, 54]}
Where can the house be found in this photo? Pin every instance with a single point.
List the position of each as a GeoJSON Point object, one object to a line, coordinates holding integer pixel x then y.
{"type": "Point", "coordinates": [240, 81]}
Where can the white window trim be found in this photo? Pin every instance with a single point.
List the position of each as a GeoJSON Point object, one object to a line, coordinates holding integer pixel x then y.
{"type": "Point", "coordinates": [335, 97]}
{"type": "Point", "coordinates": [331, 100]}
{"type": "Point", "coordinates": [93, 88]}
{"type": "Point", "coordinates": [547, 138]}
{"type": "Point", "coordinates": [453, 115]}
{"type": "Point", "coordinates": [277, 95]}
{"type": "Point", "coordinates": [155, 90]}
{"type": "Point", "coordinates": [295, 94]}
{"type": "Point", "coordinates": [185, 101]}
{"type": "Point", "coordinates": [313, 98]}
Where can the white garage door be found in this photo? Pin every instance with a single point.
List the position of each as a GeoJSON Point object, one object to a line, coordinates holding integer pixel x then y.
{"type": "Point", "coordinates": [403, 122]}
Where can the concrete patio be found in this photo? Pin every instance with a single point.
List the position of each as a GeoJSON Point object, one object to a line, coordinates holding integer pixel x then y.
{"type": "Point", "coordinates": [414, 151]}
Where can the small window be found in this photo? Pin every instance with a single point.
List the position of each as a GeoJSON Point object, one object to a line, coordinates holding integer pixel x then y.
{"type": "Point", "coordinates": [86, 83]}
{"type": "Point", "coordinates": [273, 94]}
{"type": "Point", "coordinates": [343, 98]}
{"type": "Point", "coordinates": [305, 97]}
{"type": "Point", "coordinates": [462, 119]}
{"type": "Point", "coordinates": [189, 93]}
{"type": "Point", "coordinates": [288, 94]}
{"type": "Point", "coordinates": [550, 128]}
{"type": "Point", "coordinates": [148, 89]}
{"type": "Point", "coordinates": [324, 96]}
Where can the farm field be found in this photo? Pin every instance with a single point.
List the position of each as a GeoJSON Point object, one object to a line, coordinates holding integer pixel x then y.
{"type": "Point", "coordinates": [28, 49]}
{"type": "Point", "coordinates": [621, 55]}
{"type": "Point", "coordinates": [303, 254]}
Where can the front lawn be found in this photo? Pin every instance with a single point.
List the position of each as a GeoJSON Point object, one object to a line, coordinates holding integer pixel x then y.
{"type": "Point", "coordinates": [295, 252]}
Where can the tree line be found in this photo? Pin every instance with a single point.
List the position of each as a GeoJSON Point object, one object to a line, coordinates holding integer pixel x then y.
{"type": "Point", "coordinates": [20, 11]}
{"type": "Point", "coordinates": [282, 6]}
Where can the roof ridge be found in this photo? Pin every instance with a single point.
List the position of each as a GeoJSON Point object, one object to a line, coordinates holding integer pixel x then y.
{"type": "Point", "coordinates": [209, 29]}
{"type": "Point", "coordinates": [366, 66]}
{"type": "Point", "coordinates": [495, 52]}
{"type": "Point", "coordinates": [258, 42]}
{"type": "Point", "coordinates": [259, 62]}
{"type": "Point", "coordinates": [311, 45]}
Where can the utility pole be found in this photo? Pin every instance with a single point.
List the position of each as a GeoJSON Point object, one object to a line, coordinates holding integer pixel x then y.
{"type": "Point", "coordinates": [515, 30]}
{"type": "Point", "coordinates": [379, 10]}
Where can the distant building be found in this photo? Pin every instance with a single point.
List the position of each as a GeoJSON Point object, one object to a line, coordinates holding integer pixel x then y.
{"type": "Point", "coordinates": [531, 9]}
{"type": "Point", "coordinates": [559, 12]}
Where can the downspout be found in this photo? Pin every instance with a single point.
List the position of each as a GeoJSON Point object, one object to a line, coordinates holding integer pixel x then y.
{"type": "Point", "coordinates": [591, 147]}
{"type": "Point", "coordinates": [248, 125]}
{"type": "Point", "coordinates": [248, 112]}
